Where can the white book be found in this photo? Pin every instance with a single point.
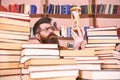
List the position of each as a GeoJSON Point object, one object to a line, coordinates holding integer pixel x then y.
{"type": "Point", "coordinates": [52, 67]}
{"type": "Point", "coordinates": [100, 45]}
{"type": "Point", "coordinates": [100, 74]}
{"type": "Point", "coordinates": [52, 74]}
{"type": "Point", "coordinates": [90, 66]}
{"type": "Point", "coordinates": [102, 28]}
{"type": "Point", "coordinates": [36, 45]}
{"type": "Point", "coordinates": [103, 37]}
{"type": "Point", "coordinates": [37, 52]}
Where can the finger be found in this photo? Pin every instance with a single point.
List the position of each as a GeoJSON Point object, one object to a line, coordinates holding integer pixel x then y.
{"type": "Point", "coordinates": [79, 32]}
{"type": "Point", "coordinates": [74, 35]}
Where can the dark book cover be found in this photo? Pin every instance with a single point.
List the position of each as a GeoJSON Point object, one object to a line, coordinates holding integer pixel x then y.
{"type": "Point", "coordinates": [33, 9]}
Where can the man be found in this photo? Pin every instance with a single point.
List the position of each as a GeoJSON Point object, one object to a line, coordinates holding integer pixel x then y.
{"type": "Point", "coordinates": [44, 33]}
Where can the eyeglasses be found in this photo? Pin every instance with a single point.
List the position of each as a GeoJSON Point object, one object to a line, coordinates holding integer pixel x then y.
{"type": "Point", "coordinates": [47, 29]}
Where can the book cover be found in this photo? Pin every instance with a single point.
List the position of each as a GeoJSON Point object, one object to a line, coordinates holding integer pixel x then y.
{"type": "Point", "coordinates": [33, 9]}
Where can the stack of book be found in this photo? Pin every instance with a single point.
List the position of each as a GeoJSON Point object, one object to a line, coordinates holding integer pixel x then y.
{"type": "Point", "coordinates": [102, 40]}
{"type": "Point", "coordinates": [14, 30]}
{"type": "Point", "coordinates": [42, 62]}
{"type": "Point", "coordinates": [83, 59]}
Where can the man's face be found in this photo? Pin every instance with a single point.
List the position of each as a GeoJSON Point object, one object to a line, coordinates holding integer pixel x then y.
{"type": "Point", "coordinates": [47, 33]}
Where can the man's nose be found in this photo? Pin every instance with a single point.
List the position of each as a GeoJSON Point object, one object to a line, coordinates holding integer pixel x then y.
{"type": "Point", "coordinates": [50, 30]}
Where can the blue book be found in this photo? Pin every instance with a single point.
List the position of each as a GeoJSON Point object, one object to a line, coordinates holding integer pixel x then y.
{"type": "Point", "coordinates": [85, 31]}
{"type": "Point", "coordinates": [49, 8]}
{"type": "Point", "coordinates": [33, 9]}
{"type": "Point", "coordinates": [65, 9]}
{"type": "Point", "coordinates": [69, 32]}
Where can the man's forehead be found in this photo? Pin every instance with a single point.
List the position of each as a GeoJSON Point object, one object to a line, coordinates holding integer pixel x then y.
{"type": "Point", "coordinates": [45, 25]}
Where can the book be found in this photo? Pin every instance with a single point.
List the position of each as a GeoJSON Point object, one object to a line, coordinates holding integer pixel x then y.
{"type": "Point", "coordinates": [88, 66]}
{"type": "Point", "coordinates": [53, 74]}
{"type": "Point", "coordinates": [10, 46]}
{"type": "Point", "coordinates": [33, 9]}
{"type": "Point", "coordinates": [89, 61]}
{"type": "Point", "coordinates": [100, 45]}
{"type": "Point", "coordinates": [104, 41]}
{"type": "Point", "coordinates": [101, 33]}
{"type": "Point", "coordinates": [15, 15]}
{"type": "Point", "coordinates": [83, 57]}
{"type": "Point", "coordinates": [105, 51]}
{"type": "Point", "coordinates": [52, 61]}
{"type": "Point", "coordinates": [15, 28]}
{"type": "Point", "coordinates": [10, 52]}
{"type": "Point", "coordinates": [8, 58]}
{"type": "Point", "coordinates": [100, 74]}
{"type": "Point", "coordinates": [45, 52]}
{"type": "Point", "coordinates": [103, 37]}
{"type": "Point", "coordinates": [14, 35]}
{"type": "Point", "coordinates": [15, 32]}
{"type": "Point", "coordinates": [37, 45]}
{"type": "Point", "coordinates": [27, 77]}
{"type": "Point", "coordinates": [9, 65]}
{"type": "Point", "coordinates": [14, 22]}
{"type": "Point", "coordinates": [6, 72]}
{"type": "Point", "coordinates": [52, 67]}
{"type": "Point", "coordinates": [110, 66]}
{"type": "Point", "coordinates": [76, 53]}
{"type": "Point", "coordinates": [101, 48]}
{"type": "Point", "coordinates": [14, 77]}
{"type": "Point", "coordinates": [102, 28]}
{"type": "Point", "coordinates": [25, 58]}
{"type": "Point", "coordinates": [110, 61]}
{"type": "Point", "coordinates": [13, 40]}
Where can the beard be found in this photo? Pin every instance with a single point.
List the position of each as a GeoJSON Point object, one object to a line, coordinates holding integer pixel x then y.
{"type": "Point", "coordinates": [51, 39]}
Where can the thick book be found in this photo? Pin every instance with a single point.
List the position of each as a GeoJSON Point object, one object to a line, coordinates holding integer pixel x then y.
{"type": "Point", "coordinates": [27, 77]}
{"type": "Point", "coordinates": [54, 74]}
{"type": "Point", "coordinates": [6, 72]}
{"type": "Point", "coordinates": [14, 77]}
{"type": "Point", "coordinates": [15, 15]}
{"type": "Point", "coordinates": [10, 46]}
{"type": "Point", "coordinates": [8, 58]}
{"type": "Point", "coordinates": [15, 28]}
{"type": "Point", "coordinates": [103, 41]}
{"type": "Point", "coordinates": [53, 61]}
{"type": "Point", "coordinates": [76, 53]}
{"type": "Point", "coordinates": [13, 40]}
{"type": "Point", "coordinates": [9, 65]}
{"type": "Point", "coordinates": [41, 46]}
{"type": "Point", "coordinates": [101, 48]}
{"type": "Point", "coordinates": [44, 52]}
{"type": "Point", "coordinates": [110, 66]}
{"type": "Point", "coordinates": [14, 22]}
{"type": "Point", "coordinates": [51, 68]}
{"type": "Point", "coordinates": [99, 45]}
{"type": "Point", "coordinates": [14, 32]}
{"type": "Point", "coordinates": [88, 66]}
{"type": "Point", "coordinates": [14, 35]}
{"type": "Point", "coordinates": [102, 33]}
{"type": "Point", "coordinates": [27, 57]}
{"type": "Point", "coordinates": [10, 52]}
{"type": "Point", "coordinates": [100, 74]}
{"type": "Point", "coordinates": [83, 57]}
{"type": "Point", "coordinates": [102, 28]}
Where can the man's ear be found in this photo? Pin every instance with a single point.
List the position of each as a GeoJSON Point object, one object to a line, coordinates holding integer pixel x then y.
{"type": "Point", "coordinates": [37, 36]}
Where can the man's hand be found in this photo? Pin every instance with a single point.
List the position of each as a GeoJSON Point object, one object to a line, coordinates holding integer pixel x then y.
{"type": "Point", "coordinates": [78, 38]}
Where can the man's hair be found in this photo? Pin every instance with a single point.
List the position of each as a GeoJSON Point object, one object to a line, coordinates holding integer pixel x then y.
{"type": "Point", "coordinates": [36, 27]}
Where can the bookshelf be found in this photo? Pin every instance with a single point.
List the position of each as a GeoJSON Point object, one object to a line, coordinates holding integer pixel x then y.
{"type": "Point", "coordinates": [94, 16]}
